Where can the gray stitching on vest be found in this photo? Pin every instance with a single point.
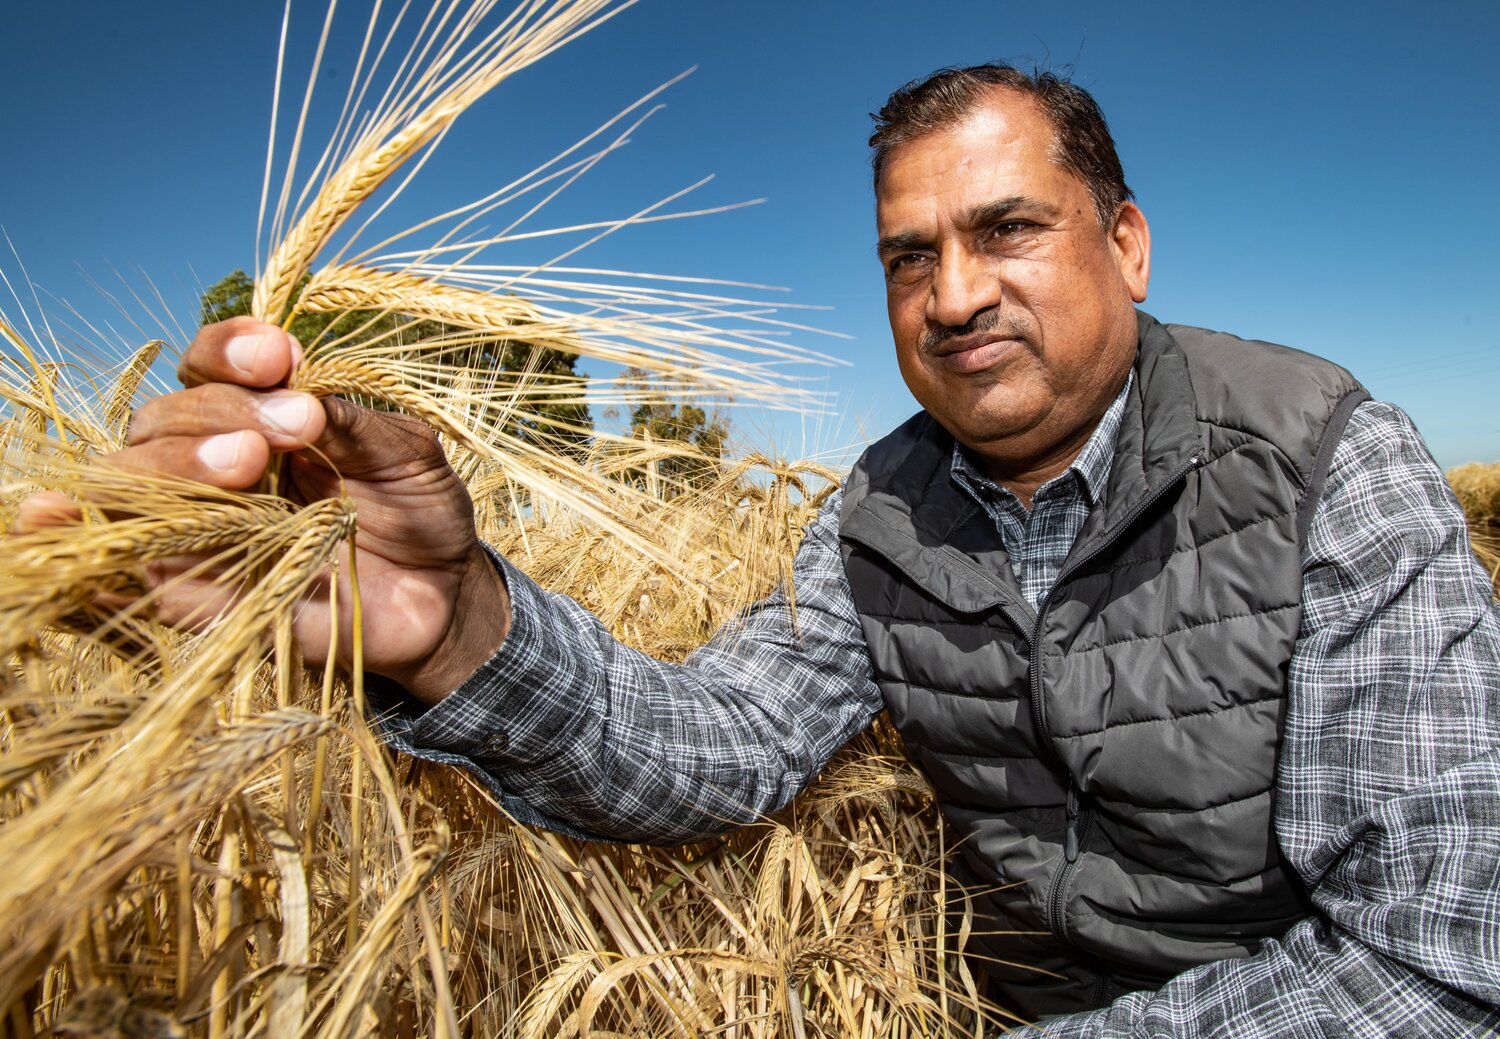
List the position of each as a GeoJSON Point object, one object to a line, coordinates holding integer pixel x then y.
{"type": "Point", "coordinates": [1186, 627]}
{"type": "Point", "coordinates": [924, 622]}
{"type": "Point", "coordinates": [1280, 451]}
{"type": "Point", "coordinates": [1139, 560]}
{"type": "Point", "coordinates": [919, 687]}
{"type": "Point", "coordinates": [955, 556]}
{"type": "Point", "coordinates": [1261, 438]}
{"type": "Point", "coordinates": [1235, 878]}
{"type": "Point", "coordinates": [1128, 562]}
{"type": "Point", "coordinates": [961, 517]}
{"type": "Point", "coordinates": [1232, 879]}
{"type": "Point", "coordinates": [952, 755]}
{"type": "Point", "coordinates": [1263, 791]}
{"type": "Point", "coordinates": [1332, 434]}
{"type": "Point", "coordinates": [1170, 719]}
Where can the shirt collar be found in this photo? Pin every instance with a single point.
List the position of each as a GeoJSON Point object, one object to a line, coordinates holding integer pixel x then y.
{"type": "Point", "coordinates": [1091, 466]}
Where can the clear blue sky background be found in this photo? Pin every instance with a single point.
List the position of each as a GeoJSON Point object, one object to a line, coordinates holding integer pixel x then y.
{"type": "Point", "coordinates": [1322, 175]}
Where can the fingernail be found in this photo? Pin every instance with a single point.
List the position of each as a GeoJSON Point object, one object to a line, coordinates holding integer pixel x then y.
{"type": "Point", "coordinates": [241, 350]}
{"type": "Point", "coordinates": [286, 412]}
{"type": "Point", "coordinates": [221, 452]}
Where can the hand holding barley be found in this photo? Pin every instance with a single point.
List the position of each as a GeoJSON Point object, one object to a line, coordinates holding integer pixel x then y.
{"type": "Point", "coordinates": [434, 606]}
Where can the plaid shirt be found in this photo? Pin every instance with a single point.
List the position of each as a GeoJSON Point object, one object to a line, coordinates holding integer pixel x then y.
{"type": "Point", "coordinates": [1388, 785]}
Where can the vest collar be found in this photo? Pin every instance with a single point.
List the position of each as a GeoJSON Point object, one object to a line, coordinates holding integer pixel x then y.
{"type": "Point", "coordinates": [1159, 437]}
{"type": "Point", "coordinates": [908, 508]}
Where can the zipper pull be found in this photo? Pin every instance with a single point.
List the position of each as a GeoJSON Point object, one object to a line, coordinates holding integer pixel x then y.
{"type": "Point", "coordinates": [1070, 844]}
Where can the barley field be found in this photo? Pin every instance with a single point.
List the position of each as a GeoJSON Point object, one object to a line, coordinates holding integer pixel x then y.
{"type": "Point", "coordinates": [202, 835]}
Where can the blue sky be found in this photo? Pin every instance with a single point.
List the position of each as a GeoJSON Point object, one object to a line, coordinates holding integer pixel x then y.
{"type": "Point", "coordinates": [1321, 175]}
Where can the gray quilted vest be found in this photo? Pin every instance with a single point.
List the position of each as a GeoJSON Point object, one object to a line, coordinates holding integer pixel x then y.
{"type": "Point", "coordinates": [1108, 760]}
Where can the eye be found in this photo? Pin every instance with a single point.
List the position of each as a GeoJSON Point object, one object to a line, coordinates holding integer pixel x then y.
{"type": "Point", "coordinates": [905, 268]}
{"type": "Point", "coordinates": [1006, 234]}
{"type": "Point", "coordinates": [1010, 228]}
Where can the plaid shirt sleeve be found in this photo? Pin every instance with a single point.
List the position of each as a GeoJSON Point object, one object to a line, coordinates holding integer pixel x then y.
{"type": "Point", "coordinates": [577, 733]}
{"type": "Point", "coordinates": [1389, 781]}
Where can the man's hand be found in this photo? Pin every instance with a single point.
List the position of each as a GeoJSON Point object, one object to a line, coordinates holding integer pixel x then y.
{"type": "Point", "coordinates": [434, 607]}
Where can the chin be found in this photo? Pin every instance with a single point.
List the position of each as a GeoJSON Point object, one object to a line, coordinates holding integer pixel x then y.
{"type": "Point", "coordinates": [978, 435]}
{"type": "Point", "coordinates": [984, 418]}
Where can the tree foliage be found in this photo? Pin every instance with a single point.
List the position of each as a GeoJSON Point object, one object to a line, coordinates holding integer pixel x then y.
{"type": "Point", "coordinates": [566, 424]}
{"type": "Point", "coordinates": [657, 418]}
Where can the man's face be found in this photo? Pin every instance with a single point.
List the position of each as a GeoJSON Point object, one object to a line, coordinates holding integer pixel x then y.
{"type": "Point", "coordinates": [1011, 307]}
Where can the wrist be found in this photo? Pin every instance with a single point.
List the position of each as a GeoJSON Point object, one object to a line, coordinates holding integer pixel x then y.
{"type": "Point", "coordinates": [476, 629]}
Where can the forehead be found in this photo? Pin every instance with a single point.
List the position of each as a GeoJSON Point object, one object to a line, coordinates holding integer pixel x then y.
{"type": "Point", "coordinates": [1002, 148]}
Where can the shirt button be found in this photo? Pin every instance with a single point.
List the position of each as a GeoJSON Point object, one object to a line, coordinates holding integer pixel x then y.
{"type": "Point", "coordinates": [496, 743]}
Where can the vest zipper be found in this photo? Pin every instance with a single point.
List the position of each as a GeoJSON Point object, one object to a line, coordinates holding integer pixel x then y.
{"type": "Point", "coordinates": [1077, 817]}
{"type": "Point", "coordinates": [1078, 821]}
{"type": "Point", "coordinates": [1070, 843]}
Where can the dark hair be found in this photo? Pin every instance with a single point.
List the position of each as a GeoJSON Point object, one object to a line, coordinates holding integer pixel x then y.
{"type": "Point", "coordinates": [1082, 144]}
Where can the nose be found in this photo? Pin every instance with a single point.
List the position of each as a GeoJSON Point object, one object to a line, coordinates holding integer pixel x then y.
{"type": "Point", "coordinates": [963, 286]}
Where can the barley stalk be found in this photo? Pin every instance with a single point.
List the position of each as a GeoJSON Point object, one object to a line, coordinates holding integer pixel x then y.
{"type": "Point", "coordinates": [459, 78]}
{"type": "Point", "coordinates": [122, 395]}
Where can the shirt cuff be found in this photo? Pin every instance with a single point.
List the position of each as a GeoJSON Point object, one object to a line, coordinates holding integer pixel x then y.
{"type": "Point", "coordinates": [498, 715]}
{"type": "Point", "coordinates": [475, 719]}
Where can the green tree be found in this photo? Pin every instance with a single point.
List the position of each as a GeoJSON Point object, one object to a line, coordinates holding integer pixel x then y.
{"type": "Point", "coordinates": [567, 425]}
{"type": "Point", "coordinates": [664, 420]}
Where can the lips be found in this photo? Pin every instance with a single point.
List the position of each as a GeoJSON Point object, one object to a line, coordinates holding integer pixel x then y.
{"type": "Point", "coordinates": [976, 354]}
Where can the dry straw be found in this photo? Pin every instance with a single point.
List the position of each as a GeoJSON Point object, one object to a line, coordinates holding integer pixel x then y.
{"type": "Point", "coordinates": [203, 837]}
{"type": "Point", "coordinates": [1477, 486]}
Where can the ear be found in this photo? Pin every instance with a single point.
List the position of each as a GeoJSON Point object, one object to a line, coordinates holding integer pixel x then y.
{"type": "Point", "coordinates": [1131, 240]}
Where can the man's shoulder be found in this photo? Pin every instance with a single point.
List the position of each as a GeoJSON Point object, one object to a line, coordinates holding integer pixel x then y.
{"type": "Point", "coordinates": [1229, 365]}
{"type": "Point", "coordinates": [1273, 391]}
{"type": "Point", "coordinates": [908, 449]}
{"type": "Point", "coordinates": [904, 473]}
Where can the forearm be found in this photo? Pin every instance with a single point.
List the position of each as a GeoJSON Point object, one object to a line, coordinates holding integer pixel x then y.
{"type": "Point", "coordinates": [578, 732]}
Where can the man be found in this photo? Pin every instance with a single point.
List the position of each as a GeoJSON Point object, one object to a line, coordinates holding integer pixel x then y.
{"type": "Point", "coordinates": [1184, 628]}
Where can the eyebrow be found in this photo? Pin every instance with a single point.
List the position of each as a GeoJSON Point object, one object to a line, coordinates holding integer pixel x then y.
{"type": "Point", "coordinates": [900, 243]}
{"type": "Point", "coordinates": [992, 212]}
{"type": "Point", "coordinates": [996, 211]}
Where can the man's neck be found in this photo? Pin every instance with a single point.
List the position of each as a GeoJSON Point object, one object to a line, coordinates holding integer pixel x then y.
{"type": "Point", "coordinates": [1022, 477]}
{"type": "Point", "coordinates": [1023, 473]}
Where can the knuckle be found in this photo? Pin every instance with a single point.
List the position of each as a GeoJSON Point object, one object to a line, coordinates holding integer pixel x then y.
{"type": "Point", "coordinates": [139, 426]}
{"type": "Point", "coordinates": [407, 425]}
{"type": "Point", "coordinates": [415, 435]}
{"type": "Point", "coordinates": [204, 359]}
{"type": "Point", "coordinates": [220, 399]}
{"type": "Point", "coordinates": [201, 408]}
{"type": "Point", "coordinates": [419, 430]}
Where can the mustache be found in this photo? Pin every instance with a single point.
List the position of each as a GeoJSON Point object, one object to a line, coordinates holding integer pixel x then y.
{"type": "Point", "coordinates": [983, 323]}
